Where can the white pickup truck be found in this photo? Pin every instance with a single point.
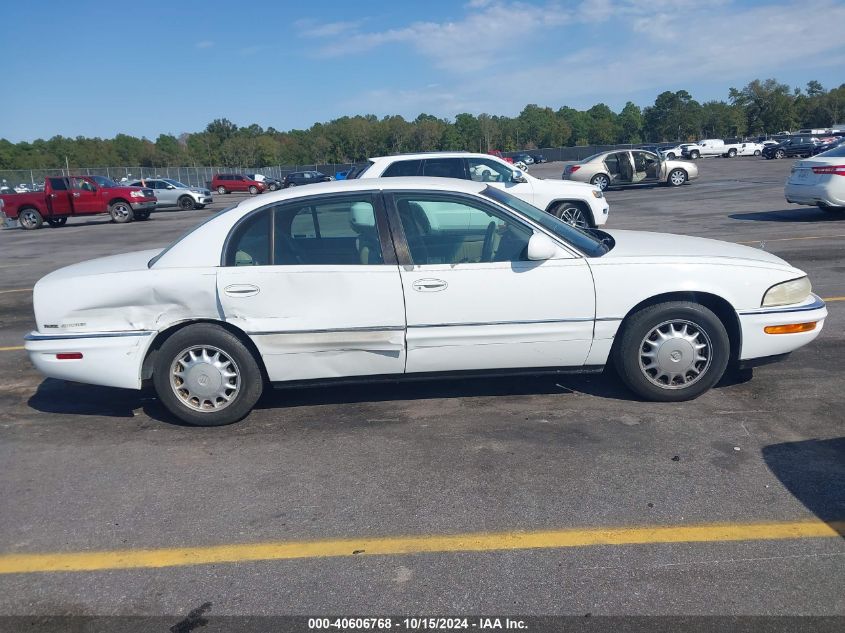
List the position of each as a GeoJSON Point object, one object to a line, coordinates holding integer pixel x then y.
{"type": "Point", "coordinates": [712, 147]}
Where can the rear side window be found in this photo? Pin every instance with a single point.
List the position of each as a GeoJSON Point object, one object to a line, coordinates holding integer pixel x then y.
{"type": "Point", "coordinates": [250, 243]}
{"type": "Point", "coordinates": [403, 168]}
{"type": "Point", "coordinates": [58, 184]}
{"type": "Point", "coordinates": [444, 168]}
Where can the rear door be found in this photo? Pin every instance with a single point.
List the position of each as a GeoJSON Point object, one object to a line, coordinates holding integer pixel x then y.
{"type": "Point", "coordinates": [58, 196]}
{"type": "Point", "coordinates": [315, 284]}
{"type": "Point", "coordinates": [164, 195]}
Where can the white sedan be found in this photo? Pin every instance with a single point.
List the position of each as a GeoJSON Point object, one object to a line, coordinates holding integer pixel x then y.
{"type": "Point", "coordinates": [406, 277]}
{"type": "Point", "coordinates": [819, 181]}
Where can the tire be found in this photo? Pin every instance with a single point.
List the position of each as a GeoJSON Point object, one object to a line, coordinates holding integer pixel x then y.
{"type": "Point", "coordinates": [677, 177]}
{"type": "Point", "coordinates": [652, 378]}
{"type": "Point", "coordinates": [121, 212]}
{"type": "Point", "coordinates": [30, 219]}
{"type": "Point", "coordinates": [197, 396]}
{"type": "Point", "coordinates": [273, 187]}
{"type": "Point", "coordinates": [142, 215]}
{"type": "Point", "coordinates": [56, 222]}
{"type": "Point", "coordinates": [757, 152]}
{"type": "Point", "coordinates": [601, 181]}
{"type": "Point", "coordinates": [780, 154]}
{"type": "Point", "coordinates": [671, 156]}
{"type": "Point", "coordinates": [221, 190]}
{"type": "Point", "coordinates": [731, 153]}
{"type": "Point", "coordinates": [186, 203]}
{"type": "Point", "coordinates": [695, 154]}
{"type": "Point", "coordinates": [253, 190]}
{"type": "Point", "coordinates": [572, 214]}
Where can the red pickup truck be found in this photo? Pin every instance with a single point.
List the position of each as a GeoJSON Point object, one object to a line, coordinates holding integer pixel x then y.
{"type": "Point", "coordinates": [66, 196]}
{"type": "Point", "coordinates": [498, 154]}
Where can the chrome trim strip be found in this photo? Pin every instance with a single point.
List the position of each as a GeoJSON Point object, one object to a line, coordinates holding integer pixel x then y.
{"type": "Point", "coordinates": [816, 305]}
{"type": "Point", "coordinates": [376, 328]}
{"type": "Point", "coordinates": [53, 337]}
{"type": "Point", "coordinates": [537, 322]}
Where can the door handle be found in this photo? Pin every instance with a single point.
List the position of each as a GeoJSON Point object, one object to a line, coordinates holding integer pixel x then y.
{"type": "Point", "coordinates": [241, 290]}
{"type": "Point", "coordinates": [75, 194]}
{"type": "Point", "coordinates": [429, 285]}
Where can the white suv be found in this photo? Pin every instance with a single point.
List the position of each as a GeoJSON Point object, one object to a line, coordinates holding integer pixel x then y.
{"type": "Point", "coordinates": [580, 204]}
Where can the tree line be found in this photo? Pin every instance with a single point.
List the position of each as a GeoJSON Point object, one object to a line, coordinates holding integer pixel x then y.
{"type": "Point", "coordinates": [760, 107]}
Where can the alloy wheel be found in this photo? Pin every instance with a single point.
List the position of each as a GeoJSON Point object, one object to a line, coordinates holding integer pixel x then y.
{"type": "Point", "coordinates": [205, 378]}
{"type": "Point", "coordinates": [675, 354]}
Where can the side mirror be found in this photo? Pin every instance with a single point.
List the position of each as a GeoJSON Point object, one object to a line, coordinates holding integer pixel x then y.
{"type": "Point", "coordinates": [171, 186]}
{"type": "Point", "coordinates": [518, 176]}
{"type": "Point", "coordinates": [541, 247]}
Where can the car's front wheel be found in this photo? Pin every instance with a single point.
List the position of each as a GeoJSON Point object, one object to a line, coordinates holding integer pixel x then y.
{"type": "Point", "coordinates": [121, 212]}
{"type": "Point", "coordinates": [205, 376]}
{"type": "Point", "coordinates": [221, 190]}
{"type": "Point", "coordinates": [780, 154]}
{"type": "Point", "coordinates": [186, 203]}
{"type": "Point", "coordinates": [677, 177]}
{"type": "Point", "coordinates": [572, 214]}
{"type": "Point", "coordinates": [601, 181]}
{"type": "Point", "coordinates": [253, 189]}
{"type": "Point", "coordinates": [757, 152]}
{"type": "Point", "coordinates": [673, 351]}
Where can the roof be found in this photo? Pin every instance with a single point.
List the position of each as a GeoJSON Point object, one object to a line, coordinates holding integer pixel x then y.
{"type": "Point", "coordinates": [460, 154]}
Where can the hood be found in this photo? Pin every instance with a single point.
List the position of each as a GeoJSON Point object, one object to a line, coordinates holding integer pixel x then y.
{"type": "Point", "coordinates": [666, 245]}
{"type": "Point", "coordinates": [136, 260]}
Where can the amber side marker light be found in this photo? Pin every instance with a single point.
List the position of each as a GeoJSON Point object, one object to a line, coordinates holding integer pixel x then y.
{"type": "Point", "coordinates": [69, 356]}
{"type": "Point", "coordinates": [791, 328]}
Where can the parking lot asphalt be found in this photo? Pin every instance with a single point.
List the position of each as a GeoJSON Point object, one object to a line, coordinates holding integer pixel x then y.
{"type": "Point", "coordinates": [450, 470]}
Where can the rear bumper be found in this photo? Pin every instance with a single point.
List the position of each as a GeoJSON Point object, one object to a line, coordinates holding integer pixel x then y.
{"type": "Point", "coordinates": [757, 344]}
{"type": "Point", "coordinates": [111, 359]}
{"type": "Point", "coordinates": [813, 195]}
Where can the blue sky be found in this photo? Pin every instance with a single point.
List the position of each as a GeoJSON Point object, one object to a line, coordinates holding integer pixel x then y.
{"type": "Point", "coordinates": [144, 68]}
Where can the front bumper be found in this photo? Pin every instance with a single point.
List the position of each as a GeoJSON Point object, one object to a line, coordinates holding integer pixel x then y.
{"type": "Point", "coordinates": [757, 344]}
{"type": "Point", "coordinates": [143, 206]}
{"type": "Point", "coordinates": [600, 212]}
{"type": "Point", "coordinates": [111, 359]}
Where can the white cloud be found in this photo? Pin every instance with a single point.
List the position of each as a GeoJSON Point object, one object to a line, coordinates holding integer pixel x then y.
{"type": "Point", "coordinates": [310, 28]}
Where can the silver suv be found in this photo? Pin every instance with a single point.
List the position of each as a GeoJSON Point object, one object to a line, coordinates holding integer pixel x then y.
{"type": "Point", "coordinates": [172, 193]}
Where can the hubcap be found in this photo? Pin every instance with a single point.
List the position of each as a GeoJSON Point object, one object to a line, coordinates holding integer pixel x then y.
{"type": "Point", "coordinates": [677, 178]}
{"type": "Point", "coordinates": [28, 218]}
{"type": "Point", "coordinates": [601, 182]}
{"type": "Point", "coordinates": [574, 216]}
{"type": "Point", "coordinates": [675, 354]}
{"type": "Point", "coordinates": [121, 210]}
{"type": "Point", "coordinates": [205, 378]}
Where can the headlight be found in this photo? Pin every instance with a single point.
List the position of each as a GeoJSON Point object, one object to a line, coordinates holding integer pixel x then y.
{"type": "Point", "coordinates": [137, 194]}
{"type": "Point", "coordinates": [787, 293]}
{"type": "Point", "coordinates": [597, 193]}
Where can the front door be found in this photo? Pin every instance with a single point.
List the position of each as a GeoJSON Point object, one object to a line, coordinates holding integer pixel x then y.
{"type": "Point", "coordinates": [86, 198]}
{"type": "Point", "coordinates": [316, 286]}
{"type": "Point", "coordinates": [500, 176]}
{"type": "Point", "coordinates": [647, 166]}
{"type": "Point", "coordinates": [474, 301]}
{"type": "Point", "coordinates": [165, 193]}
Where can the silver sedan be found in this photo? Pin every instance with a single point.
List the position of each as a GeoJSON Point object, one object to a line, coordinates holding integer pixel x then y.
{"type": "Point", "coordinates": [625, 167]}
{"type": "Point", "coordinates": [172, 193]}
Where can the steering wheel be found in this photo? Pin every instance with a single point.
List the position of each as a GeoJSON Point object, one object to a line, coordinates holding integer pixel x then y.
{"type": "Point", "coordinates": [487, 247]}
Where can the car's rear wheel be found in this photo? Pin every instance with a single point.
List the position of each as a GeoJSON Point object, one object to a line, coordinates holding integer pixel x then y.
{"type": "Point", "coordinates": [757, 152]}
{"type": "Point", "coordinates": [672, 351]}
{"type": "Point", "coordinates": [205, 376]}
{"type": "Point", "coordinates": [780, 154]}
{"type": "Point", "coordinates": [253, 189]}
{"type": "Point", "coordinates": [731, 153]}
{"type": "Point", "coordinates": [695, 154]}
{"type": "Point", "coordinates": [671, 156]}
{"type": "Point", "coordinates": [30, 219]}
{"type": "Point", "coordinates": [221, 190]}
{"type": "Point", "coordinates": [573, 214]}
{"type": "Point", "coordinates": [121, 212]}
{"type": "Point", "coordinates": [677, 177]}
{"type": "Point", "coordinates": [273, 186]}
{"type": "Point", "coordinates": [186, 203]}
{"type": "Point", "coordinates": [601, 181]}
{"type": "Point", "coordinates": [56, 222]}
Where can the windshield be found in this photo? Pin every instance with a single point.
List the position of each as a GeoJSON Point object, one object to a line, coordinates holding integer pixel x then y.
{"type": "Point", "coordinates": [176, 183]}
{"type": "Point", "coordinates": [584, 241]}
{"type": "Point", "coordinates": [104, 182]}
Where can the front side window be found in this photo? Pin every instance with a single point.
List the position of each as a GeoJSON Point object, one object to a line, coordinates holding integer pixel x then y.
{"type": "Point", "coordinates": [445, 230]}
{"type": "Point", "coordinates": [80, 184]}
{"type": "Point", "coordinates": [486, 170]}
{"type": "Point", "coordinates": [104, 182]}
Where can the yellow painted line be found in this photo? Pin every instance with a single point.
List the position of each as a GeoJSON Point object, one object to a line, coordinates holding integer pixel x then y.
{"type": "Point", "coordinates": [790, 239]}
{"type": "Point", "coordinates": [5, 292]}
{"type": "Point", "coordinates": [403, 545]}
{"type": "Point", "coordinates": [829, 299]}
{"type": "Point", "coordinates": [11, 349]}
